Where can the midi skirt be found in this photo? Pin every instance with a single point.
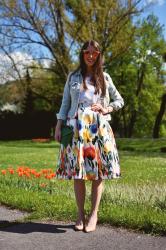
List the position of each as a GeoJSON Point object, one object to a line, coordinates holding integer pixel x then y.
{"type": "Point", "coordinates": [93, 154]}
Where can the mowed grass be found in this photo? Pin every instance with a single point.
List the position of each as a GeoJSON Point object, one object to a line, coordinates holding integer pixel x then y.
{"type": "Point", "coordinates": [137, 200]}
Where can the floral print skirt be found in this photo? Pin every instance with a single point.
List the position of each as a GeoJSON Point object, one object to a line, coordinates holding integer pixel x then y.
{"type": "Point", "coordinates": [92, 154]}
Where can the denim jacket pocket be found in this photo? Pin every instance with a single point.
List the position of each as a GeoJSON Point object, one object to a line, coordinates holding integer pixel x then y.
{"type": "Point", "coordinates": [74, 87]}
{"type": "Point", "coordinates": [74, 84]}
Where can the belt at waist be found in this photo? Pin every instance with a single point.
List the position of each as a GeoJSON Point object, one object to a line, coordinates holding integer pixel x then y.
{"type": "Point", "coordinates": [85, 104]}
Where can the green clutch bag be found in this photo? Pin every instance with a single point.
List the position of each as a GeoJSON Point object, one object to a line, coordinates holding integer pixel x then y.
{"type": "Point", "coordinates": [66, 135]}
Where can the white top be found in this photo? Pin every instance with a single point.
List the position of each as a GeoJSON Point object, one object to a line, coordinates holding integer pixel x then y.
{"type": "Point", "coordinates": [87, 95]}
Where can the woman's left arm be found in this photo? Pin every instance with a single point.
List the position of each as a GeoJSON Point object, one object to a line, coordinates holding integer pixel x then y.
{"type": "Point", "coordinates": [118, 101]}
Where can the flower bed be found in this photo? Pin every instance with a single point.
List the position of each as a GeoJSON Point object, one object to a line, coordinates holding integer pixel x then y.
{"type": "Point", "coordinates": [41, 139]}
{"type": "Point", "coordinates": [28, 178]}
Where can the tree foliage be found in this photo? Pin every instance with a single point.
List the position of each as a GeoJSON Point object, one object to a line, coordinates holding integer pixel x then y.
{"type": "Point", "coordinates": [139, 75]}
{"type": "Point", "coordinates": [55, 31]}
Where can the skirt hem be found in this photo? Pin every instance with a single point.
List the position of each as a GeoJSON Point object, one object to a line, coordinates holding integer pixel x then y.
{"type": "Point", "coordinates": [87, 179]}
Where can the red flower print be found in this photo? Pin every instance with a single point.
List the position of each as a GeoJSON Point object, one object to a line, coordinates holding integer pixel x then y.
{"type": "Point", "coordinates": [89, 152]}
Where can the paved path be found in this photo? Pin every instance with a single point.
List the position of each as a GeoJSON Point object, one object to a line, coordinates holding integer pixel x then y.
{"type": "Point", "coordinates": [51, 235]}
{"type": "Point", "coordinates": [7, 214]}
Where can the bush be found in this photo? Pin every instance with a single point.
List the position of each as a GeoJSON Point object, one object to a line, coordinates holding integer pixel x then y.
{"type": "Point", "coordinates": [26, 126]}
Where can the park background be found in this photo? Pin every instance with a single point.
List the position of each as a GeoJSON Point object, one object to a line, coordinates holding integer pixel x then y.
{"type": "Point", "coordinates": [39, 45]}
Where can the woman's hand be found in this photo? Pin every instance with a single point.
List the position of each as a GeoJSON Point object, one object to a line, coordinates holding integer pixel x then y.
{"type": "Point", "coordinates": [98, 107]}
{"type": "Point", "coordinates": [57, 134]}
{"type": "Point", "coordinates": [58, 131]}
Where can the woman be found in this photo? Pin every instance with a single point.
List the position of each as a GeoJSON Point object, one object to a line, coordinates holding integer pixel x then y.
{"type": "Point", "coordinates": [93, 154]}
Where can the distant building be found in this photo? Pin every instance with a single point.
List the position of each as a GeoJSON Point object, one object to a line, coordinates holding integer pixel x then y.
{"type": "Point", "coordinates": [11, 107]}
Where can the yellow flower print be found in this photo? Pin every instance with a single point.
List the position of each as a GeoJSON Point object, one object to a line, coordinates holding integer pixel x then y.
{"type": "Point", "coordinates": [75, 150]}
{"type": "Point", "coordinates": [85, 134]}
{"type": "Point", "coordinates": [102, 131]}
{"type": "Point", "coordinates": [76, 133]}
{"type": "Point", "coordinates": [89, 136]}
{"type": "Point", "coordinates": [86, 119]}
{"type": "Point", "coordinates": [108, 146]}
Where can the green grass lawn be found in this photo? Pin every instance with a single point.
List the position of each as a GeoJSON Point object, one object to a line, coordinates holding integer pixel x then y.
{"type": "Point", "coordinates": [137, 200]}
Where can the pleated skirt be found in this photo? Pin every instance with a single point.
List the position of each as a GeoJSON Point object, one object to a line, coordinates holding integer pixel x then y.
{"type": "Point", "coordinates": [93, 154]}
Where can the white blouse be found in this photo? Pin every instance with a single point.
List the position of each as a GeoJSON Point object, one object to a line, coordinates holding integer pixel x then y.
{"type": "Point", "coordinates": [87, 95]}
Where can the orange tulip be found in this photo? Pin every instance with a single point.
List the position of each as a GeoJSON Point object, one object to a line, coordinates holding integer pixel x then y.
{"type": "Point", "coordinates": [53, 174]}
{"type": "Point", "coordinates": [11, 171]}
{"type": "Point", "coordinates": [48, 177]}
{"type": "Point", "coordinates": [3, 171]}
{"type": "Point", "coordinates": [33, 171]}
{"type": "Point", "coordinates": [27, 169]}
{"type": "Point", "coordinates": [26, 174]}
{"type": "Point", "coordinates": [37, 175]}
{"type": "Point", "coordinates": [44, 171]}
{"type": "Point", "coordinates": [20, 168]}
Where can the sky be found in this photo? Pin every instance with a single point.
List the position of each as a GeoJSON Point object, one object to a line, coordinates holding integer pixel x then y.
{"type": "Point", "coordinates": [158, 7]}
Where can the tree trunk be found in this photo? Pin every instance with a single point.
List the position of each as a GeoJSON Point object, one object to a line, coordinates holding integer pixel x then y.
{"type": "Point", "coordinates": [141, 73]}
{"type": "Point", "coordinates": [159, 117]}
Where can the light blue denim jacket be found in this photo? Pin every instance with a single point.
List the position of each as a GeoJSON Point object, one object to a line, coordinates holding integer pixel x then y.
{"type": "Point", "coordinates": [71, 95]}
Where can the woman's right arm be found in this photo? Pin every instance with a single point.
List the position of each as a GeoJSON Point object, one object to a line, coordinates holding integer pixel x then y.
{"type": "Point", "coordinates": [65, 105]}
{"type": "Point", "coordinates": [66, 101]}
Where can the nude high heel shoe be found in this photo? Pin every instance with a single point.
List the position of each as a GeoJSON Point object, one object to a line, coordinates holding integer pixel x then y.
{"type": "Point", "coordinates": [90, 227]}
{"type": "Point", "coordinates": [79, 226]}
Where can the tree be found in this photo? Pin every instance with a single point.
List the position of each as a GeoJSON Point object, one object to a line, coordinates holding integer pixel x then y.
{"type": "Point", "coordinates": [162, 109]}
{"type": "Point", "coordinates": [60, 26]}
{"type": "Point", "coordinates": [28, 101]}
{"type": "Point", "coordinates": [139, 75]}
{"type": "Point", "coordinates": [55, 30]}
{"type": "Point", "coordinates": [159, 117]}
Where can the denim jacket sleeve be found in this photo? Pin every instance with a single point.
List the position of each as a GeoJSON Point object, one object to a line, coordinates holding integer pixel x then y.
{"type": "Point", "coordinates": [66, 101]}
{"type": "Point", "coordinates": [118, 101]}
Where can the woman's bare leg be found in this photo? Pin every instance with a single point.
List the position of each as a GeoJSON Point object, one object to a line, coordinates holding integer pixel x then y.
{"type": "Point", "coordinates": [97, 187]}
{"type": "Point", "coordinates": [80, 190]}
